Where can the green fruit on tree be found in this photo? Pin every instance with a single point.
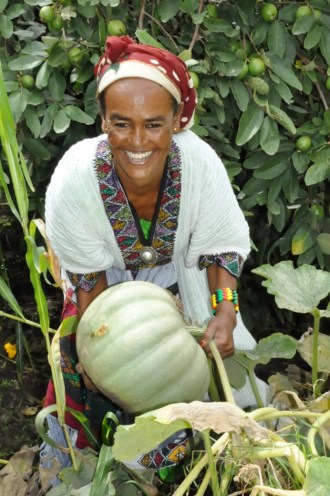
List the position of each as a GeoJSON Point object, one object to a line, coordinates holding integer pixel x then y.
{"type": "Point", "coordinates": [327, 83]}
{"type": "Point", "coordinates": [195, 79]}
{"type": "Point", "coordinates": [269, 12]}
{"type": "Point", "coordinates": [47, 14]}
{"type": "Point", "coordinates": [127, 335]}
{"type": "Point", "coordinates": [243, 72]}
{"type": "Point", "coordinates": [256, 66]}
{"type": "Point", "coordinates": [27, 81]}
{"type": "Point", "coordinates": [318, 211]}
{"type": "Point", "coordinates": [116, 27]}
{"type": "Point", "coordinates": [234, 45]}
{"type": "Point", "coordinates": [303, 10]}
{"type": "Point", "coordinates": [56, 24]}
{"type": "Point", "coordinates": [317, 13]}
{"type": "Point", "coordinates": [75, 56]}
{"type": "Point", "coordinates": [304, 143]}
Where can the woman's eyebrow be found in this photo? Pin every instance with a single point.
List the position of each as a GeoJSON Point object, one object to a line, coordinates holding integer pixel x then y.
{"type": "Point", "coordinates": [120, 117]}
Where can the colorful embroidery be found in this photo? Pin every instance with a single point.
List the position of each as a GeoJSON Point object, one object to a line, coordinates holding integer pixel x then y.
{"type": "Point", "coordinates": [120, 216]}
{"type": "Point", "coordinates": [233, 262]}
{"type": "Point", "coordinates": [84, 281]}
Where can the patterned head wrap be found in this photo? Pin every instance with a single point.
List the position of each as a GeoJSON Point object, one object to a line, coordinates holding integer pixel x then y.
{"type": "Point", "coordinates": [124, 58]}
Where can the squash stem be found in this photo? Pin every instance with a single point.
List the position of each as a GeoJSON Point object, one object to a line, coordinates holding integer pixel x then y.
{"type": "Point", "coordinates": [222, 373]}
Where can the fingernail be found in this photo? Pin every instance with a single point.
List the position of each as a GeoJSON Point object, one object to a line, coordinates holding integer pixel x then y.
{"type": "Point", "coordinates": [202, 343]}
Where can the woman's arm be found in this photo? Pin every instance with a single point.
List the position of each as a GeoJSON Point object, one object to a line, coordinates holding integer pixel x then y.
{"type": "Point", "coordinates": [84, 298]}
{"type": "Point", "coordinates": [220, 328]}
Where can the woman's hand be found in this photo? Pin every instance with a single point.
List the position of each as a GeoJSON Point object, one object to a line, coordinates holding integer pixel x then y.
{"type": "Point", "coordinates": [220, 329]}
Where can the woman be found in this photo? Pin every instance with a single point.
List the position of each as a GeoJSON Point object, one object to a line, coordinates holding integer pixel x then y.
{"type": "Point", "coordinates": [147, 200]}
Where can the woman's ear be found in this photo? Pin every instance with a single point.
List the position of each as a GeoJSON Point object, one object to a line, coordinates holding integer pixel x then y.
{"type": "Point", "coordinates": [177, 117]}
{"type": "Point", "coordinates": [103, 125]}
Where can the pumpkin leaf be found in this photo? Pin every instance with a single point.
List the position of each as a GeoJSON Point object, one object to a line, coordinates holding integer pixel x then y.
{"type": "Point", "coordinates": [299, 290]}
{"type": "Point", "coordinates": [277, 345]}
{"type": "Point", "coordinates": [152, 428]}
{"type": "Point", "coordinates": [317, 478]}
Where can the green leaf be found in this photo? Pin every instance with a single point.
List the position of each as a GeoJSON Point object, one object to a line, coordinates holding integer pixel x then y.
{"type": "Point", "coordinates": [25, 62]}
{"type": "Point", "coordinates": [146, 39]}
{"type": "Point", "coordinates": [18, 103]}
{"type": "Point", "coordinates": [43, 76]}
{"type": "Point", "coordinates": [303, 24]}
{"type": "Point", "coordinates": [273, 167]}
{"type": "Point", "coordinates": [57, 85]}
{"type": "Point", "coordinates": [32, 121]}
{"type": "Point", "coordinates": [323, 240]}
{"type": "Point", "coordinates": [269, 136]}
{"type": "Point", "coordinates": [7, 295]}
{"type": "Point", "coordinates": [57, 56]}
{"type": "Point", "coordinates": [103, 467]}
{"type": "Point", "coordinates": [300, 161]}
{"type": "Point", "coordinates": [78, 115]}
{"type": "Point", "coordinates": [277, 345]}
{"type": "Point", "coordinates": [61, 122]}
{"type": "Point", "coordinates": [277, 38]}
{"type": "Point", "coordinates": [6, 26]}
{"type": "Point", "coordinates": [48, 119]}
{"type": "Point", "coordinates": [249, 124]}
{"type": "Point", "coordinates": [313, 36]}
{"type": "Point", "coordinates": [240, 94]}
{"type": "Point", "coordinates": [234, 67]}
{"type": "Point", "coordinates": [218, 26]}
{"type": "Point", "coordinates": [325, 45]}
{"type": "Point", "coordinates": [284, 91]}
{"type": "Point", "coordinates": [304, 287]}
{"type": "Point", "coordinates": [302, 240]}
{"type": "Point", "coordinates": [282, 118]}
{"type": "Point", "coordinates": [168, 9]}
{"type": "Point", "coordinates": [318, 172]}
{"type": "Point", "coordinates": [291, 184]}
{"type": "Point", "coordinates": [317, 481]}
{"type": "Point", "coordinates": [283, 69]}
{"type": "Point", "coordinates": [36, 148]}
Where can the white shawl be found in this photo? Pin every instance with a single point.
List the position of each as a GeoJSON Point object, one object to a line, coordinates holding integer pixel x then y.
{"type": "Point", "coordinates": [210, 221]}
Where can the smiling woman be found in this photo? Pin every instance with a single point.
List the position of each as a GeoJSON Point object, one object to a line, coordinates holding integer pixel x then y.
{"type": "Point", "coordinates": [146, 201]}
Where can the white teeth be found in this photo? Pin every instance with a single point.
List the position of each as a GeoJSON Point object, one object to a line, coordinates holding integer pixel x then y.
{"type": "Point", "coordinates": [138, 156]}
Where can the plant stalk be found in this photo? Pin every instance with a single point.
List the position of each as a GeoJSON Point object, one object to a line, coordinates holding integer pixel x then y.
{"type": "Point", "coordinates": [316, 330]}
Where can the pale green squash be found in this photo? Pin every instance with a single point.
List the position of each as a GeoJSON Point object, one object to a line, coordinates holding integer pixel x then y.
{"type": "Point", "coordinates": [133, 345]}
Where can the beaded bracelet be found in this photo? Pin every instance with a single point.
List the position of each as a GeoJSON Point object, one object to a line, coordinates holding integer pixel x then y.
{"type": "Point", "coordinates": [224, 294]}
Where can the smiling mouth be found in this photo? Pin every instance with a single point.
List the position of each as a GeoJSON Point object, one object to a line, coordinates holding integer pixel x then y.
{"type": "Point", "coordinates": [138, 157]}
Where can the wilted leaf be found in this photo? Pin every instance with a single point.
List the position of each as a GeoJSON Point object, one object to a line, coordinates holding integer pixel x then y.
{"type": "Point", "coordinates": [152, 428]}
{"type": "Point", "coordinates": [299, 290]}
{"type": "Point", "coordinates": [305, 349]}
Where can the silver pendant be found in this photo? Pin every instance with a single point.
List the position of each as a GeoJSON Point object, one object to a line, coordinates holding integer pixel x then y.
{"type": "Point", "coordinates": [148, 255]}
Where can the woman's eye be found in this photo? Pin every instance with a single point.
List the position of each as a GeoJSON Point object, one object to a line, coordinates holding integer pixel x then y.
{"type": "Point", "coordinates": [121, 124]}
{"type": "Point", "coordinates": [153, 125]}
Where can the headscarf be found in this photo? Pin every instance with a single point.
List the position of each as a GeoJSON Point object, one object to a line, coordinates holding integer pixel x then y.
{"type": "Point", "coordinates": [124, 58]}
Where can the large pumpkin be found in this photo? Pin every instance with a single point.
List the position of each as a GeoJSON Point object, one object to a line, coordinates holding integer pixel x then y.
{"type": "Point", "coordinates": [133, 344]}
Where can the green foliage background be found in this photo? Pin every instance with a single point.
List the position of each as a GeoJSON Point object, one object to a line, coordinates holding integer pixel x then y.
{"type": "Point", "coordinates": [252, 122]}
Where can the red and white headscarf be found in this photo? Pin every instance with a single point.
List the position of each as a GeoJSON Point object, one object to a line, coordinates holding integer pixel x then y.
{"type": "Point", "coordinates": [124, 58]}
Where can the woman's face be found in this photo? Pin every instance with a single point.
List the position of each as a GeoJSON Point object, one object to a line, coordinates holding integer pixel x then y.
{"type": "Point", "coordinates": [139, 119]}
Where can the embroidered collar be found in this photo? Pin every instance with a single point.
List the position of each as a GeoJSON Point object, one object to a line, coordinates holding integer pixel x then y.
{"type": "Point", "coordinates": [123, 219]}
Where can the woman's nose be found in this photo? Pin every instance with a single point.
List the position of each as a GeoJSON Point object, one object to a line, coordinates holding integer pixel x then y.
{"type": "Point", "coordinates": [138, 136]}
